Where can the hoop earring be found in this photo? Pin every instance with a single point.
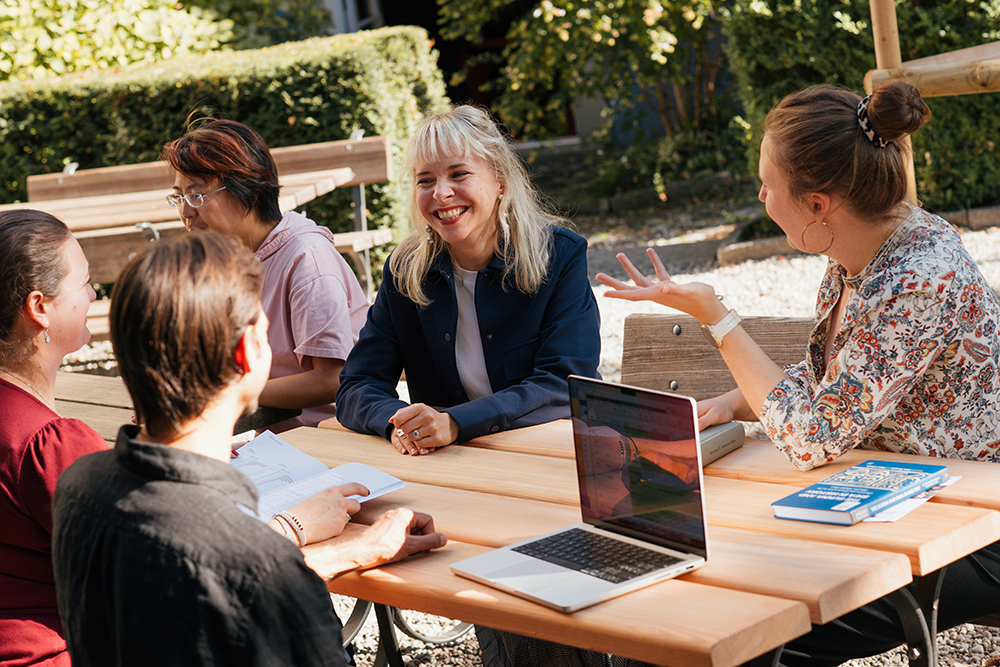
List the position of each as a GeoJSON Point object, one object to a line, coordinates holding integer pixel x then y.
{"type": "Point", "coordinates": [430, 239]}
{"type": "Point", "coordinates": [805, 246]}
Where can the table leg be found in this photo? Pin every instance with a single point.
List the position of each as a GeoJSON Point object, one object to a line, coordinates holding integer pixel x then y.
{"type": "Point", "coordinates": [769, 659]}
{"type": "Point", "coordinates": [388, 647]}
{"type": "Point", "coordinates": [918, 613]}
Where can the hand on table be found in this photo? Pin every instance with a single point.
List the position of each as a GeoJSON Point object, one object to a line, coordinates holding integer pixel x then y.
{"type": "Point", "coordinates": [696, 299]}
{"type": "Point", "coordinates": [712, 411]}
{"type": "Point", "coordinates": [420, 429]}
{"type": "Point", "coordinates": [324, 514]}
{"type": "Point", "coordinates": [397, 534]}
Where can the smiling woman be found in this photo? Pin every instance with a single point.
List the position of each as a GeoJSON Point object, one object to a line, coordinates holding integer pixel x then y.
{"type": "Point", "coordinates": [43, 317]}
{"type": "Point", "coordinates": [486, 305]}
{"type": "Point", "coordinates": [225, 181]}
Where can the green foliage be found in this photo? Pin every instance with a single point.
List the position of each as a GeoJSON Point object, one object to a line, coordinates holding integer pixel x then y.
{"type": "Point", "coordinates": [664, 54]}
{"type": "Point", "coordinates": [779, 46]}
{"type": "Point", "coordinates": [41, 38]}
{"type": "Point", "coordinates": [688, 155]}
{"type": "Point", "coordinates": [259, 23]}
{"type": "Point", "coordinates": [321, 89]}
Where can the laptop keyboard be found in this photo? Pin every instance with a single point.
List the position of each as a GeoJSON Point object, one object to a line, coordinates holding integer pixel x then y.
{"type": "Point", "coordinates": [596, 555]}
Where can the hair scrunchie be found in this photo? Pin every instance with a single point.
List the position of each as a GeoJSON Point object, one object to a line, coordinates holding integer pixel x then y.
{"type": "Point", "coordinates": [866, 126]}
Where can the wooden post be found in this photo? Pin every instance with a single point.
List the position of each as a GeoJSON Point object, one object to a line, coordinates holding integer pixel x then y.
{"type": "Point", "coordinates": [982, 76]}
{"type": "Point", "coordinates": [889, 56]}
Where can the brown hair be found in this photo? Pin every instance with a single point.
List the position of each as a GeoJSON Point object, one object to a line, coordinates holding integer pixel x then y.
{"type": "Point", "coordinates": [178, 311]}
{"type": "Point", "coordinates": [31, 258]}
{"type": "Point", "coordinates": [819, 144]}
{"type": "Point", "coordinates": [234, 154]}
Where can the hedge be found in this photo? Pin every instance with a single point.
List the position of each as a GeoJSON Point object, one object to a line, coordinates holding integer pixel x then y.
{"type": "Point", "coordinates": [779, 46]}
{"type": "Point", "coordinates": [381, 81]}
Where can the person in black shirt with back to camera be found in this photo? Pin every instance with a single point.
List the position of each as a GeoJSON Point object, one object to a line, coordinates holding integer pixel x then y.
{"type": "Point", "coordinates": [159, 555]}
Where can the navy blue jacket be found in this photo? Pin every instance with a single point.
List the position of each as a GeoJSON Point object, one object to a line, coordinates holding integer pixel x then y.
{"type": "Point", "coordinates": [531, 344]}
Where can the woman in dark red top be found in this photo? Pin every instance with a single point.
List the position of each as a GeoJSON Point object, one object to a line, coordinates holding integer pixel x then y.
{"type": "Point", "coordinates": [44, 296]}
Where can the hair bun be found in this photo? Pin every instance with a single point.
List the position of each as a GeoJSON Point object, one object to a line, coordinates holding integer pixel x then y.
{"type": "Point", "coordinates": [897, 110]}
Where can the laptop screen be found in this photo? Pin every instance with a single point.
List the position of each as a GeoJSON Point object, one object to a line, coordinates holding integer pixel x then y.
{"type": "Point", "coordinates": [637, 457]}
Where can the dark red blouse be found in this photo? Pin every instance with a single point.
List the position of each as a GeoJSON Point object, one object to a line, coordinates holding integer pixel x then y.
{"type": "Point", "coordinates": [36, 445]}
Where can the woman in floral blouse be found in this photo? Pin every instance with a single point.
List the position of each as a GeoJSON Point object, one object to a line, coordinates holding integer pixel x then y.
{"type": "Point", "coordinates": [905, 352]}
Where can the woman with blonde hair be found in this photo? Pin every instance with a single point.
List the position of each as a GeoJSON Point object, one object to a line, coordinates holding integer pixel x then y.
{"type": "Point", "coordinates": [486, 306]}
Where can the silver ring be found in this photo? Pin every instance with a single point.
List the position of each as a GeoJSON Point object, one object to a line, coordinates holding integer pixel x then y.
{"type": "Point", "coordinates": [400, 433]}
{"type": "Point", "coordinates": [416, 434]}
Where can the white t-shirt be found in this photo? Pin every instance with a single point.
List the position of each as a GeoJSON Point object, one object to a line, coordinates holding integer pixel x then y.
{"type": "Point", "coordinates": [468, 344]}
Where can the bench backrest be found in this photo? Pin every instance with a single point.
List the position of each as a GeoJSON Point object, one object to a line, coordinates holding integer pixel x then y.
{"type": "Point", "coordinates": [669, 353]}
{"type": "Point", "coordinates": [370, 158]}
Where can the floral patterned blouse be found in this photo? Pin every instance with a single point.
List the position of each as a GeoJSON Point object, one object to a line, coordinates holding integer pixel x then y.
{"type": "Point", "coordinates": [914, 364]}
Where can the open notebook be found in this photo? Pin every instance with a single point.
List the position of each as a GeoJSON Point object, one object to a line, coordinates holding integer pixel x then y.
{"type": "Point", "coordinates": [638, 459]}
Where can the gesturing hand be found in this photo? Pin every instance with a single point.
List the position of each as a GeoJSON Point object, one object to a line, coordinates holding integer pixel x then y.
{"type": "Point", "coordinates": [420, 429]}
{"type": "Point", "coordinates": [696, 299]}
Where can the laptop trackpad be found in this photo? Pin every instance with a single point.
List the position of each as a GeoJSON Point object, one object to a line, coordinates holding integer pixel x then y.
{"type": "Point", "coordinates": [533, 574]}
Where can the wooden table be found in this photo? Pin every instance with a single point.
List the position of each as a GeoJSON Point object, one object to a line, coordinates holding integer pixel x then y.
{"type": "Point", "coordinates": [502, 488]}
{"type": "Point", "coordinates": [765, 582]}
{"type": "Point", "coordinates": [112, 228]}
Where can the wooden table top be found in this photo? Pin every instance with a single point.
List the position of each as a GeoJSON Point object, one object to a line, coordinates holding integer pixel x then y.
{"type": "Point", "coordinates": [122, 210]}
{"type": "Point", "coordinates": [766, 579]}
{"type": "Point", "coordinates": [830, 569]}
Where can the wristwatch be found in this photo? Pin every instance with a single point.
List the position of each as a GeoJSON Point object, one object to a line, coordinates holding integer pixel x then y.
{"type": "Point", "coordinates": [714, 333]}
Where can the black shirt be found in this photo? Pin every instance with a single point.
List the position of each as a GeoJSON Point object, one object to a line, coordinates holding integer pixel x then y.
{"type": "Point", "coordinates": [156, 565]}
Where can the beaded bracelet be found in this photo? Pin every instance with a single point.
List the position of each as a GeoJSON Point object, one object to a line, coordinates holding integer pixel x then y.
{"type": "Point", "coordinates": [296, 527]}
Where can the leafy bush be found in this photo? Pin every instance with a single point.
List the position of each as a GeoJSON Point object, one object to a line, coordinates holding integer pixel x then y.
{"type": "Point", "coordinates": [321, 89]}
{"type": "Point", "coordinates": [41, 38]}
{"type": "Point", "coordinates": [260, 23]}
{"type": "Point", "coordinates": [688, 155]}
{"type": "Point", "coordinates": [662, 55]}
{"type": "Point", "coordinates": [779, 46]}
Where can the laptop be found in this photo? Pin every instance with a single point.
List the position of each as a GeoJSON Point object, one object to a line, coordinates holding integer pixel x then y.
{"type": "Point", "coordinates": [638, 460]}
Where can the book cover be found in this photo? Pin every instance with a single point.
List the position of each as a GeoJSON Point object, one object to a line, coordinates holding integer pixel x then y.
{"type": "Point", "coordinates": [859, 492]}
{"type": "Point", "coordinates": [285, 476]}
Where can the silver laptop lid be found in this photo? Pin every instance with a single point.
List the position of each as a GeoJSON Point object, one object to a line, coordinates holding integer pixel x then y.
{"type": "Point", "coordinates": [639, 463]}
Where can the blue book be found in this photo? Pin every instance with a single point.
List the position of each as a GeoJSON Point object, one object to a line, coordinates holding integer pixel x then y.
{"type": "Point", "coordinates": [859, 492]}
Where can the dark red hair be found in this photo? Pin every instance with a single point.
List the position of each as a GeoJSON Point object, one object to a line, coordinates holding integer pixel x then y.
{"type": "Point", "coordinates": [234, 154]}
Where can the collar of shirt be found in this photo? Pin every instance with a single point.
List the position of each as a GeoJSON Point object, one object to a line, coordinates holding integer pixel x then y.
{"type": "Point", "coordinates": [155, 461]}
{"type": "Point", "coordinates": [291, 225]}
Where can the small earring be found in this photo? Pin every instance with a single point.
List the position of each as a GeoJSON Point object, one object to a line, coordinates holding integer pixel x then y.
{"type": "Point", "coordinates": [47, 339]}
{"type": "Point", "coordinates": [501, 196]}
{"type": "Point", "coordinates": [430, 239]}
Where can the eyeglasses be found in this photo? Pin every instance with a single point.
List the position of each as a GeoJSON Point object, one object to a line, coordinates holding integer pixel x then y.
{"type": "Point", "coordinates": [193, 199]}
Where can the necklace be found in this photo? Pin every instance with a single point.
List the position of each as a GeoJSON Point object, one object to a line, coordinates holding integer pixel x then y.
{"type": "Point", "coordinates": [28, 384]}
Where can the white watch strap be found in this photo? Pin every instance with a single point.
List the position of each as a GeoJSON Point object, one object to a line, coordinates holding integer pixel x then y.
{"type": "Point", "coordinates": [725, 325]}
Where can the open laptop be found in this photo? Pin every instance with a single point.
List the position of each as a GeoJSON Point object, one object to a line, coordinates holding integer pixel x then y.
{"type": "Point", "coordinates": [638, 460]}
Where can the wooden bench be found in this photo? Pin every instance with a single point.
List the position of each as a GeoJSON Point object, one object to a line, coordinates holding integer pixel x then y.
{"type": "Point", "coordinates": [669, 353]}
{"type": "Point", "coordinates": [115, 211]}
{"type": "Point", "coordinates": [104, 404]}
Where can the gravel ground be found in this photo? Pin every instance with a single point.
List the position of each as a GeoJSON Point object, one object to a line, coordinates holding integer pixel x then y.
{"type": "Point", "coordinates": [783, 286]}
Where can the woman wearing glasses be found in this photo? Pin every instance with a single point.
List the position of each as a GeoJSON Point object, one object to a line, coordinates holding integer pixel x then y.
{"type": "Point", "coordinates": [226, 181]}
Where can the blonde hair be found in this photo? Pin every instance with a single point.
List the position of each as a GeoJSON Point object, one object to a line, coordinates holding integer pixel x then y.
{"type": "Point", "coordinates": [523, 243]}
